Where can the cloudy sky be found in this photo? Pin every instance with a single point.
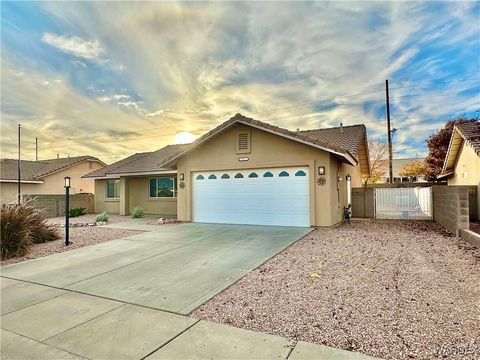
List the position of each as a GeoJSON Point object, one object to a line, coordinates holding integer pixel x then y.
{"type": "Point", "coordinates": [110, 79]}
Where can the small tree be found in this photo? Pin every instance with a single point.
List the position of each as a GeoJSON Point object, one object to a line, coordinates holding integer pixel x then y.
{"type": "Point", "coordinates": [413, 169]}
{"type": "Point", "coordinates": [438, 145]}
{"type": "Point", "coordinates": [378, 151]}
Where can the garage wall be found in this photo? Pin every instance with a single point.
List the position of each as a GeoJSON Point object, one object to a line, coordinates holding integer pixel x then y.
{"type": "Point", "coordinates": [269, 150]}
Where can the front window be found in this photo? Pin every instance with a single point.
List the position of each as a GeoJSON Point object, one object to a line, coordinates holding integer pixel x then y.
{"type": "Point", "coordinates": [113, 189]}
{"type": "Point", "coordinates": [163, 187]}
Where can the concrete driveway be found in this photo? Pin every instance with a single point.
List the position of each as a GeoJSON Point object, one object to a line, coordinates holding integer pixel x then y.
{"type": "Point", "coordinates": [126, 299]}
{"type": "Point", "coordinates": [174, 268]}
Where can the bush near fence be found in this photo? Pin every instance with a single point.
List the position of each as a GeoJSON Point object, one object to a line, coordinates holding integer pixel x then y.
{"type": "Point", "coordinates": [54, 205]}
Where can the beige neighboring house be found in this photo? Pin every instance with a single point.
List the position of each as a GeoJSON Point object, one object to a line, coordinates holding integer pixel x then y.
{"type": "Point", "coordinates": [462, 162]}
{"type": "Point", "coordinates": [46, 176]}
{"type": "Point", "coordinates": [242, 172]}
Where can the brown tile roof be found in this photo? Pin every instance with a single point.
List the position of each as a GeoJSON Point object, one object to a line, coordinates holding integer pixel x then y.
{"type": "Point", "coordinates": [140, 162]}
{"type": "Point", "coordinates": [37, 170]}
{"type": "Point", "coordinates": [471, 133]}
{"type": "Point", "coordinates": [348, 138]}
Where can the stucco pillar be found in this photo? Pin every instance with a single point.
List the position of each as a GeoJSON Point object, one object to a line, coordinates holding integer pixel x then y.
{"type": "Point", "coordinates": [124, 196]}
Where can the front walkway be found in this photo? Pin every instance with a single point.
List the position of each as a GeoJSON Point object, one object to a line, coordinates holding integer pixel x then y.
{"type": "Point", "coordinates": [126, 299]}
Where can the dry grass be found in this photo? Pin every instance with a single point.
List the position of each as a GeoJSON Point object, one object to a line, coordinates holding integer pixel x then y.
{"type": "Point", "coordinates": [392, 289]}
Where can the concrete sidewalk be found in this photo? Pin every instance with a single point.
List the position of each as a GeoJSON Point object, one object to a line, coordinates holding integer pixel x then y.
{"type": "Point", "coordinates": [41, 322]}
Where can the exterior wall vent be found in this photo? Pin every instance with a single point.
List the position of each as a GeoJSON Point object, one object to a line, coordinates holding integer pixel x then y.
{"type": "Point", "coordinates": [243, 142]}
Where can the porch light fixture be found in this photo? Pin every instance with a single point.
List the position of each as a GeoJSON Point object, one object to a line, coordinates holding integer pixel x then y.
{"type": "Point", "coordinates": [67, 210]}
{"type": "Point", "coordinates": [348, 177]}
{"type": "Point", "coordinates": [321, 170]}
{"type": "Point", "coordinates": [182, 176]}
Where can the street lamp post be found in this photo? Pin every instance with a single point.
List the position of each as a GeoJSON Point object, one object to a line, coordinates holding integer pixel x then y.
{"type": "Point", "coordinates": [67, 210]}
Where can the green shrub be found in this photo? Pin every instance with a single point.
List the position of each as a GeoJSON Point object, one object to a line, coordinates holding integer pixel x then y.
{"type": "Point", "coordinates": [77, 212]}
{"type": "Point", "coordinates": [103, 217]}
{"type": "Point", "coordinates": [137, 213]}
{"type": "Point", "coordinates": [20, 227]}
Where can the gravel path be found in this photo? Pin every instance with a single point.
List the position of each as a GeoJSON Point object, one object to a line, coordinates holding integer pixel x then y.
{"type": "Point", "coordinates": [392, 289]}
{"type": "Point", "coordinates": [79, 236]}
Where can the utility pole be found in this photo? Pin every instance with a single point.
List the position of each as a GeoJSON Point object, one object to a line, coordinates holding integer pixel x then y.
{"type": "Point", "coordinates": [390, 166]}
{"type": "Point", "coordinates": [36, 149]}
{"type": "Point", "coordinates": [18, 169]}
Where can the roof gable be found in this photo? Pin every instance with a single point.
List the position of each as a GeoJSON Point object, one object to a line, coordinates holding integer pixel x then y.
{"type": "Point", "coordinates": [344, 144]}
{"type": "Point", "coordinates": [37, 170]}
{"type": "Point", "coordinates": [467, 134]}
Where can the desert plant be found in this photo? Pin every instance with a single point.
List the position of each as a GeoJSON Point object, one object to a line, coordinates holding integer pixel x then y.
{"type": "Point", "coordinates": [76, 212]}
{"type": "Point", "coordinates": [137, 213]}
{"type": "Point", "coordinates": [21, 225]}
{"type": "Point", "coordinates": [15, 234]}
{"type": "Point", "coordinates": [103, 217]}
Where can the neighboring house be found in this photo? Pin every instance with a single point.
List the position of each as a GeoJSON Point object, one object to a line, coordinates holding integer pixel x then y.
{"type": "Point", "coordinates": [46, 176]}
{"type": "Point", "coordinates": [462, 162]}
{"type": "Point", "coordinates": [242, 172]}
{"type": "Point", "coordinates": [397, 166]}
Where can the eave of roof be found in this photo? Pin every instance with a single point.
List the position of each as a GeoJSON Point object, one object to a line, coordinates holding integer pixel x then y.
{"type": "Point", "coordinates": [460, 135]}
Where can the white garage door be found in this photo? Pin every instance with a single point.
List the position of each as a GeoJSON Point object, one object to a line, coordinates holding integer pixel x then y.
{"type": "Point", "coordinates": [277, 196]}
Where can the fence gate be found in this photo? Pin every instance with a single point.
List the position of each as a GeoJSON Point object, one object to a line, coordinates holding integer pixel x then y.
{"type": "Point", "coordinates": [404, 203]}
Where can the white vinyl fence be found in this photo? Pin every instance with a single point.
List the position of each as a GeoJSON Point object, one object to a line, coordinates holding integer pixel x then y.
{"type": "Point", "coordinates": [404, 203]}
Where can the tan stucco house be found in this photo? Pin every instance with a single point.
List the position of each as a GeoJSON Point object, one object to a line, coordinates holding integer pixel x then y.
{"type": "Point", "coordinates": [462, 162]}
{"type": "Point", "coordinates": [46, 176]}
{"type": "Point", "coordinates": [242, 172]}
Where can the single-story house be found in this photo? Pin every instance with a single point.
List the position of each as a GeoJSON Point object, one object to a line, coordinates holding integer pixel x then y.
{"type": "Point", "coordinates": [243, 172]}
{"type": "Point", "coordinates": [46, 176]}
{"type": "Point", "coordinates": [462, 162]}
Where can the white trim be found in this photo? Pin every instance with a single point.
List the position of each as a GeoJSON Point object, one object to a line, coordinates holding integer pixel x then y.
{"type": "Point", "coordinates": [118, 175]}
{"type": "Point", "coordinates": [449, 149]}
{"type": "Point", "coordinates": [22, 181]}
{"type": "Point", "coordinates": [106, 177]}
{"type": "Point", "coordinates": [159, 172]}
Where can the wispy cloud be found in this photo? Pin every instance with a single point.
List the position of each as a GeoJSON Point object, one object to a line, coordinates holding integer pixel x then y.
{"type": "Point", "coordinates": [207, 61]}
{"type": "Point", "coordinates": [86, 49]}
{"type": "Point", "coordinates": [113, 97]}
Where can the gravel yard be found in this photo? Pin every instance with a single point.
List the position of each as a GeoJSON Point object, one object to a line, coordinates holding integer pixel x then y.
{"type": "Point", "coordinates": [79, 236]}
{"type": "Point", "coordinates": [112, 219]}
{"type": "Point", "coordinates": [392, 289]}
{"type": "Point", "coordinates": [89, 218]}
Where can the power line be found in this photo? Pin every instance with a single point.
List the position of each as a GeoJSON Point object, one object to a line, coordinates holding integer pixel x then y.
{"type": "Point", "coordinates": [435, 82]}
